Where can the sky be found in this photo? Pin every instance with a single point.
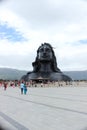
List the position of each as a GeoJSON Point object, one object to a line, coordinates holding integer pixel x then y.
{"type": "Point", "coordinates": [24, 26]}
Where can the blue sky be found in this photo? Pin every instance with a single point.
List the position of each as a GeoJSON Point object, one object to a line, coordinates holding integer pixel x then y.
{"type": "Point", "coordinates": [83, 41]}
{"type": "Point", "coordinates": [10, 33]}
{"type": "Point", "coordinates": [25, 25]}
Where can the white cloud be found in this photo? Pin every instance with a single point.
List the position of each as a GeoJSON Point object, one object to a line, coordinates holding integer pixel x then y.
{"type": "Point", "coordinates": [61, 23]}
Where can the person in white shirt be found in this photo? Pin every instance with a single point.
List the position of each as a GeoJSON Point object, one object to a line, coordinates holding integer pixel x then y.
{"type": "Point", "coordinates": [22, 87]}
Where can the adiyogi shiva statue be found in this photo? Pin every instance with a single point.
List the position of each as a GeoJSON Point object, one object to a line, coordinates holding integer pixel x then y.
{"type": "Point", "coordinates": [45, 66]}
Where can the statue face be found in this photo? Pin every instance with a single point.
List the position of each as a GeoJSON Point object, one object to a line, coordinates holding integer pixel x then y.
{"type": "Point", "coordinates": [45, 53]}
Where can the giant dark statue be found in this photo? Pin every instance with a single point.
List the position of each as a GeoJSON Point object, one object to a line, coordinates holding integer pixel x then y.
{"type": "Point", "coordinates": [45, 66]}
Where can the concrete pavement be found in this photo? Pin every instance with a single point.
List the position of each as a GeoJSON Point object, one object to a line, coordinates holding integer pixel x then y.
{"type": "Point", "coordinates": [49, 108]}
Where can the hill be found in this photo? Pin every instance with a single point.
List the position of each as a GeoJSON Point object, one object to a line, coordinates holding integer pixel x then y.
{"type": "Point", "coordinates": [14, 74]}
{"type": "Point", "coordinates": [77, 75]}
{"type": "Point", "coordinates": [11, 74]}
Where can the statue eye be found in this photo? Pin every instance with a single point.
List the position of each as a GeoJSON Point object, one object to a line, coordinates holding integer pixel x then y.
{"type": "Point", "coordinates": [41, 50]}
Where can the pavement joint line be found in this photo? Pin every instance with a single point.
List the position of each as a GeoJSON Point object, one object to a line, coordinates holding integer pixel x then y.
{"type": "Point", "coordinates": [75, 100]}
{"type": "Point", "coordinates": [68, 99]}
{"type": "Point", "coordinates": [50, 106]}
{"type": "Point", "coordinates": [13, 122]}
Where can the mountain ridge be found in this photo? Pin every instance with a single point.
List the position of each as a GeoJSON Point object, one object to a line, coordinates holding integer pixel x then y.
{"type": "Point", "coordinates": [15, 74]}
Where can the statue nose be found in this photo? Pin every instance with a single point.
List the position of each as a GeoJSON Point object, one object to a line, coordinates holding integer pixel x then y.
{"type": "Point", "coordinates": [44, 53]}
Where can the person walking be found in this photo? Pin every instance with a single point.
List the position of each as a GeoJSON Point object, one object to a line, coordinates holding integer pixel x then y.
{"type": "Point", "coordinates": [25, 88]}
{"type": "Point", "coordinates": [22, 87]}
{"type": "Point", "coordinates": [5, 85]}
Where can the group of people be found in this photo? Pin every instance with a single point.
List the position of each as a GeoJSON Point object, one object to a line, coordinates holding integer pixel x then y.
{"type": "Point", "coordinates": [21, 84]}
{"type": "Point", "coordinates": [23, 87]}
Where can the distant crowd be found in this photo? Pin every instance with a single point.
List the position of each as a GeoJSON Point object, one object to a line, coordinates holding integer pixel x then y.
{"type": "Point", "coordinates": [20, 83]}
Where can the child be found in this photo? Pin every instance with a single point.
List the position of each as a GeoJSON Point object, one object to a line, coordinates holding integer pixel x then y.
{"type": "Point", "coordinates": [25, 89]}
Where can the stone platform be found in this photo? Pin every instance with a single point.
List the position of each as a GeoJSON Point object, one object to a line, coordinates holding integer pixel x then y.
{"type": "Point", "coordinates": [49, 108]}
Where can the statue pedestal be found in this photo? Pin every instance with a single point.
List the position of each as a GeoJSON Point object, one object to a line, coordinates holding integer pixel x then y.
{"type": "Point", "coordinates": [53, 76]}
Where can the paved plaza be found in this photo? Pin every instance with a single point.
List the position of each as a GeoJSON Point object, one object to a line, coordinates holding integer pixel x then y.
{"type": "Point", "coordinates": [46, 108]}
